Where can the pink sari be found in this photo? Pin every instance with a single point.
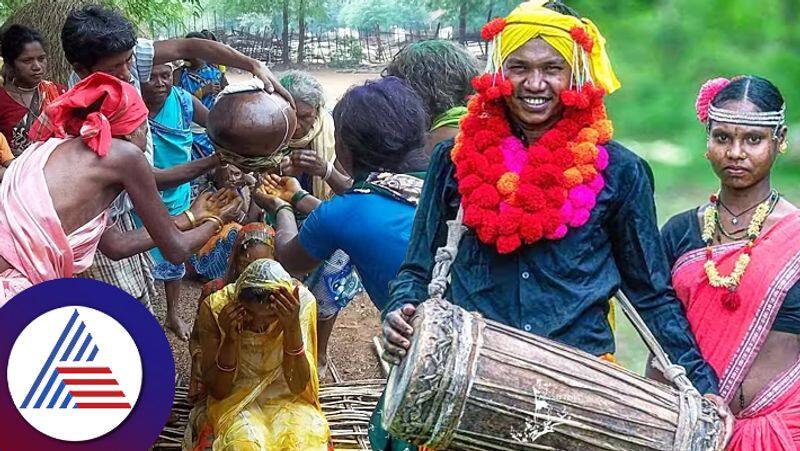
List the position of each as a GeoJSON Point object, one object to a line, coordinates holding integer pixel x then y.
{"type": "Point", "coordinates": [731, 339]}
{"type": "Point", "coordinates": [32, 240]}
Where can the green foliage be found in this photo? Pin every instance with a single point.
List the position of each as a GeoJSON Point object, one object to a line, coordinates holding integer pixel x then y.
{"type": "Point", "coordinates": [142, 12]}
{"type": "Point", "coordinates": [348, 54]}
{"type": "Point", "coordinates": [382, 13]}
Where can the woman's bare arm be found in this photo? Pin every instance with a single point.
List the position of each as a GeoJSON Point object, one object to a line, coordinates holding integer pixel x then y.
{"type": "Point", "coordinates": [134, 173]}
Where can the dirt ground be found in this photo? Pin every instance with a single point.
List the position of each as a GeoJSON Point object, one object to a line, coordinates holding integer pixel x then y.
{"type": "Point", "coordinates": [335, 83]}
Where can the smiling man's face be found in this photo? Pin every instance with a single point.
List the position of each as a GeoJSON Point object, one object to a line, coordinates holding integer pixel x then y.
{"type": "Point", "coordinates": [539, 74]}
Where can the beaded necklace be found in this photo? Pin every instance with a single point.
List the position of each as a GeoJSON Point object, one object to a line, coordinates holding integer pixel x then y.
{"type": "Point", "coordinates": [711, 224]}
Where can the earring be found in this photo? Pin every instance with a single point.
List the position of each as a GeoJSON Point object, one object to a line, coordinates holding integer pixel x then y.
{"type": "Point", "coordinates": [784, 147]}
{"type": "Point", "coordinates": [706, 154]}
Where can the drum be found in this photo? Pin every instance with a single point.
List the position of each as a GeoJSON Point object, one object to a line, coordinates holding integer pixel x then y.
{"type": "Point", "coordinates": [472, 384]}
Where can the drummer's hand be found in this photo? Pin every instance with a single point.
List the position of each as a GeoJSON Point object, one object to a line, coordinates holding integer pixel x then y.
{"type": "Point", "coordinates": [725, 415]}
{"type": "Point", "coordinates": [397, 332]}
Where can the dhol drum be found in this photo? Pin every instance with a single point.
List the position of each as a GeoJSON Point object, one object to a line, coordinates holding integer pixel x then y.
{"type": "Point", "coordinates": [472, 384]}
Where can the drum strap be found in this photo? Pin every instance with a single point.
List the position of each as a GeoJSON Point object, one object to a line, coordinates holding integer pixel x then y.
{"type": "Point", "coordinates": [691, 401]}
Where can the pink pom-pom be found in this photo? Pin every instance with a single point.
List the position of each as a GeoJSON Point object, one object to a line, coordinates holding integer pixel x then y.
{"type": "Point", "coordinates": [601, 162]}
{"type": "Point", "coordinates": [558, 233]}
{"type": "Point", "coordinates": [567, 212]}
{"type": "Point", "coordinates": [708, 91]}
{"type": "Point", "coordinates": [579, 218]}
{"type": "Point", "coordinates": [597, 184]}
{"type": "Point", "coordinates": [582, 197]}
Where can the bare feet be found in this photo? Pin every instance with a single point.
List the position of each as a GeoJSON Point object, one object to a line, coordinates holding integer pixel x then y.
{"type": "Point", "coordinates": [322, 365]}
{"type": "Point", "coordinates": [177, 326]}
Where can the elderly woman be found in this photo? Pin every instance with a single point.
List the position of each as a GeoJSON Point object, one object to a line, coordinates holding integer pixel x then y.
{"type": "Point", "coordinates": [25, 93]}
{"type": "Point", "coordinates": [735, 265]}
{"type": "Point", "coordinates": [312, 158]}
{"type": "Point", "coordinates": [258, 341]}
{"type": "Point", "coordinates": [441, 72]}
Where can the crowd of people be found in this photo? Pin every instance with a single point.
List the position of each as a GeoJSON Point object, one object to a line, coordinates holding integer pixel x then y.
{"type": "Point", "coordinates": [559, 215]}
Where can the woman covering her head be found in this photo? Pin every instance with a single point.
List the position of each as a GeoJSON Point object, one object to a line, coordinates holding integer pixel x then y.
{"type": "Point", "coordinates": [441, 72]}
{"type": "Point", "coordinates": [736, 264]}
{"type": "Point", "coordinates": [25, 92]}
{"type": "Point", "coordinates": [313, 152]}
{"type": "Point", "coordinates": [258, 340]}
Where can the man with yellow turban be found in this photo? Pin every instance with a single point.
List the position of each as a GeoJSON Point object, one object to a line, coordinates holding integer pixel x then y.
{"type": "Point", "coordinates": [558, 215]}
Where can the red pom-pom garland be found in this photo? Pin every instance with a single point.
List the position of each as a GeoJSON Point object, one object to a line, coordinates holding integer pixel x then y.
{"type": "Point", "coordinates": [515, 195]}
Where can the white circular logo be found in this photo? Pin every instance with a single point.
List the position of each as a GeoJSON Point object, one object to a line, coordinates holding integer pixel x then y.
{"type": "Point", "coordinates": [74, 373]}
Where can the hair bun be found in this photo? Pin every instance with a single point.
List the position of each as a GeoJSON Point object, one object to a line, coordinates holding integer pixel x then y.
{"type": "Point", "coordinates": [708, 91]}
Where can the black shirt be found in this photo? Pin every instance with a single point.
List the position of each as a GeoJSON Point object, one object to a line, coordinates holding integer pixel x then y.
{"type": "Point", "coordinates": [560, 289]}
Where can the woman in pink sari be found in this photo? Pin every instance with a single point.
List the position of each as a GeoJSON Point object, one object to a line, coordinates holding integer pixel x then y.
{"type": "Point", "coordinates": [736, 263]}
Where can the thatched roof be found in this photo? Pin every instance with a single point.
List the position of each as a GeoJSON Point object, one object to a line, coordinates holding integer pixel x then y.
{"type": "Point", "coordinates": [48, 17]}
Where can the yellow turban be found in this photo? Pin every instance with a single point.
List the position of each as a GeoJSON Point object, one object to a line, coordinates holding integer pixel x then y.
{"type": "Point", "coordinates": [532, 20]}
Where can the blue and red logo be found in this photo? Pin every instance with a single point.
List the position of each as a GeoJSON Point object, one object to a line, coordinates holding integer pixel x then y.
{"type": "Point", "coordinates": [87, 367]}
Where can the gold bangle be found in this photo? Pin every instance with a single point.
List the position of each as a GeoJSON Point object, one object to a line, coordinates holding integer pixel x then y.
{"type": "Point", "coordinates": [224, 369]}
{"type": "Point", "coordinates": [190, 216]}
{"type": "Point", "coordinates": [215, 219]}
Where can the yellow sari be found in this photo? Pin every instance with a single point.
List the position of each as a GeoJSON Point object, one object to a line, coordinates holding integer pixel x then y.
{"type": "Point", "coordinates": [261, 413]}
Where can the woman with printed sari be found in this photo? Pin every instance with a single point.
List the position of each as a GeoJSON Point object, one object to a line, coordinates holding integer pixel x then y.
{"type": "Point", "coordinates": [25, 93]}
{"type": "Point", "coordinates": [258, 340]}
{"type": "Point", "coordinates": [380, 136]}
{"type": "Point", "coordinates": [736, 263]}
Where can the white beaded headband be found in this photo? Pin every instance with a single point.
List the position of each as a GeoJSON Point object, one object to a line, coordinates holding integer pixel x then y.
{"type": "Point", "coordinates": [757, 118]}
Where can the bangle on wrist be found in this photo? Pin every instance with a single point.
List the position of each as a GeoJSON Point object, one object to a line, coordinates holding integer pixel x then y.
{"type": "Point", "coordinates": [284, 207]}
{"type": "Point", "coordinates": [296, 352]}
{"type": "Point", "coordinates": [298, 196]}
{"type": "Point", "coordinates": [191, 218]}
{"type": "Point", "coordinates": [328, 171]}
{"type": "Point", "coordinates": [215, 220]}
{"type": "Point", "coordinates": [225, 369]}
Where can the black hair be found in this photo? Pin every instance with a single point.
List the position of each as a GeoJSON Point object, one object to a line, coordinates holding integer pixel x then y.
{"type": "Point", "coordinates": [254, 294]}
{"type": "Point", "coordinates": [440, 71]}
{"type": "Point", "coordinates": [561, 8]}
{"type": "Point", "coordinates": [757, 90]}
{"type": "Point", "coordinates": [382, 123]}
{"type": "Point", "coordinates": [196, 34]}
{"type": "Point", "coordinates": [209, 35]}
{"type": "Point", "coordinates": [94, 32]}
{"type": "Point", "coordinates": [14, 41]}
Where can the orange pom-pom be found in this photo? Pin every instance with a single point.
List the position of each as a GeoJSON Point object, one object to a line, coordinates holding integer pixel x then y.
{"type": "Point", "coordinates": [508, 183]}
{"type": "Point", "coordinates": [584, 153]}
{"type": "Point", "coordinates": [605, 130]}
{"type": "Point", "coordinates": [572, 177]}
{"type": "Point", "coordinates": [589, 135]}
{"type": "Point", "coordinates": [587, 171]}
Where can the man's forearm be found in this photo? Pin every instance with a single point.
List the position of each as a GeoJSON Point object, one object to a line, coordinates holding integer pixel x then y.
{"type": "Point", "coordinates": [184, 173]}
{"type": "Point", "coordinates": [217, 53]}
{"type": "Point", "coordinates": [339, 181]}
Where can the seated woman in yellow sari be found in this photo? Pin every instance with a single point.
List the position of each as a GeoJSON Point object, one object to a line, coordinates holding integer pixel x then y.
{"type": "Point", "coordinates": [259, 364]}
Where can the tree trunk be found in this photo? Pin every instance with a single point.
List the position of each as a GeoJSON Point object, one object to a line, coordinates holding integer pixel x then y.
{"type": "Point", "coordinates": [285, 36]}
{"type": "Point", "coordinates": [301, 31]}
{"type": "Point", "coordinates": [462, 22]}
